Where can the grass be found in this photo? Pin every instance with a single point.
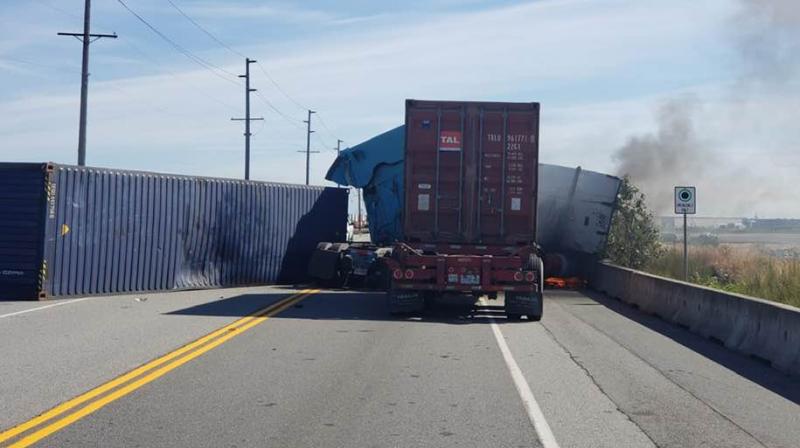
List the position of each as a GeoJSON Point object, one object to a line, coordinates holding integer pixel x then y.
{"type": "Point", "coordinates": [743, 270]}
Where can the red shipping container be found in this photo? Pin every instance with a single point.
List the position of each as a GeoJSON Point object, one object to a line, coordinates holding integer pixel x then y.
{"type": "Point", "coordinates": [471, 172]}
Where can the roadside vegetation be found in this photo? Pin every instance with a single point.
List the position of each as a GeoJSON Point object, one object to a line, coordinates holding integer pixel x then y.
{"type": "Point", "coordinates": [634, 242]}
{"type": "Point", "coordinates": [633, 239]}
{"type": "Point", "coordinates": [745, 270]}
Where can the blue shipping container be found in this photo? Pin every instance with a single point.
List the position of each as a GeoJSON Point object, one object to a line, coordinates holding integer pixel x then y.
{"type": "Point", "coordinates": [73, 231]}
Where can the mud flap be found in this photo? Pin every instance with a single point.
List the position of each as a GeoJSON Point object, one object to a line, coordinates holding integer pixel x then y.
{"type": "Point", "coordinates": [405, 301]}
{"type": "Point", "coordinates": [524, 304]}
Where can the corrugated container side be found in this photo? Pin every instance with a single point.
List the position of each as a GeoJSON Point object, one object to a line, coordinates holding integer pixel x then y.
{"type": "Point", "coordinates": [22, 203]}
{"type": "Point", "coordinates": [70, 231]}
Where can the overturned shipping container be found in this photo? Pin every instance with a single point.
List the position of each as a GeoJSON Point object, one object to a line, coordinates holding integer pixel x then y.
{"type": "Point", "coordinates": [73, 231]}
{"type": "Point", "coordinates": [574, 206]}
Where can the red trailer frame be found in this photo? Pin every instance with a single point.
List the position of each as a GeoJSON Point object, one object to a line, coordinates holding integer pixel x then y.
{"type": "Point", "coordinates": [421, 270]}
{"type": "Point", "coordinates": [465, 268]}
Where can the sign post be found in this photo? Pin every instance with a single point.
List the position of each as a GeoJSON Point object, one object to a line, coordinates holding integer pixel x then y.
{"type": "Point", "coordinates": [685, 204]}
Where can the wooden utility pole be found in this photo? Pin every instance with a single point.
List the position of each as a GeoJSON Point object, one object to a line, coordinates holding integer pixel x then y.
{"type": "Point", "coordinates": [308, 150]}
{"type": "Point", "coordinates": [86, 38]}
{"type": "Point", "coordinates": [247, 119]}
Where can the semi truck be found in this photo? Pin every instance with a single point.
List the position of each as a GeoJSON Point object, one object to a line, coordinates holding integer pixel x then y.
{"type": "Point", "coordinates": [469, 219]}
{"type": "Point", "coordinates": [573, 217]}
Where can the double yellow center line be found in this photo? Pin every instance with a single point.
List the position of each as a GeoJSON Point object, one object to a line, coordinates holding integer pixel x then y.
{"type": "Point", "coordinates": [139, 377]}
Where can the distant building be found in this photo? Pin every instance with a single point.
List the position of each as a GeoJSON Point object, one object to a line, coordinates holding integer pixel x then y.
{"type": "Point", "coordinates": [773, 225]}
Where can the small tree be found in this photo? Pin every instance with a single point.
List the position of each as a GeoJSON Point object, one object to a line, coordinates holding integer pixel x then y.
{"type": "Point", "coordinates": [633, 240]}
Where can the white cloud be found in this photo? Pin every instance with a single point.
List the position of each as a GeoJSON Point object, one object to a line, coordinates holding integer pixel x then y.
{"type": "Point", "coordinates": [284, 12]}
{"type": "Point", "coordinates": [359, 79]}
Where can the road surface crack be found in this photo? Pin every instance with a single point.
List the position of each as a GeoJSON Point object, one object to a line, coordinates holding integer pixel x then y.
{"type": "Point", "coordinates": [597, 385]}
{"type": "Point", "coordinates": [660, 372]}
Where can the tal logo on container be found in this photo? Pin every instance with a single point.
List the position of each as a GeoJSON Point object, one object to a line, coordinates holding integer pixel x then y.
{"type": "Point", "coordinates": [450, 141]}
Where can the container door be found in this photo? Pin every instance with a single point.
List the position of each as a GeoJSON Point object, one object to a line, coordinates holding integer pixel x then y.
{"type": "Point", "coordinates": [507, 180]}
{"type": "Point", "coordinates": [435, 174]}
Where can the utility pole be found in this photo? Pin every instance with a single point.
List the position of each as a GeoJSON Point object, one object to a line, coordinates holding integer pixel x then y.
{"type": "Point", "coordinates": [86, 38]}
{"type": "Point", "coordinates": [247, 119]}
{"type": "Point", "coordinates": [359, 208]}
{"type": "Point", "coordinates": [308, 150]}
{"type": "Point", "coordinates": [338, 151]}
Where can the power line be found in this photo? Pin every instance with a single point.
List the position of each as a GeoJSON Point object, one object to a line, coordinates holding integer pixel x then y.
{"type": "Point", "coordinates": [37, 64]}
{"type": "Point", "coordinates": [238, 53]}
{"type": "Point", "coordinates": [56, 8]}
{"type": "Point", "coordinates": [321, 140]}
{"type": "Point", "coordinates": [263, 69]}
{"type": "Point", "coordinates": [144, 54]}
{"type": "Point", "coordinates": [295, 123]}
{"type": "Point", "coordinates": [104, 84]}
{"type": "Point", "coordinates": [325, 126]}
{"type": "Point", "coordinates": [295, 102]}
{"type": "Point", "coordinates": [207, 32]}
{"type": "Point", "coordinates": [197, 59]}
{"type": "Point", "coordinates": [280, 89]}
{"type": "Point", "coordinates": [177, 77]}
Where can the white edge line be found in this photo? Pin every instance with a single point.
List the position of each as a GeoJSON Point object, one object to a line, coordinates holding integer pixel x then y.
{"type": "Point", "coordinates": [65, 302]}
{"type": "Point", "coordinates": [535, 414]}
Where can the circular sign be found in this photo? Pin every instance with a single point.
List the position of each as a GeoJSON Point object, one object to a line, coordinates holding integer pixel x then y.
{"type": "Point", "coordinates": [685, 195]}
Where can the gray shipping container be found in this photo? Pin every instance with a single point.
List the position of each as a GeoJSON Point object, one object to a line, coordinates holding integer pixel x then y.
{"type": "Point", "coordinates": [74, 231]}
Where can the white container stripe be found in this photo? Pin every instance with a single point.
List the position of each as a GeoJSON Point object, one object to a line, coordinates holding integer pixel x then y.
{"type": "Point", "coordinates": [535, 414]}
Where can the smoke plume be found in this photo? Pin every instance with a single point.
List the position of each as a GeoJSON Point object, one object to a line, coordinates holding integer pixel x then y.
{"type": "Point", "coordinates": [767, 38]}
{"type": "Point", "coordinates": [656, 162]}
{"type": "Point", "coordinates": [765, 35]}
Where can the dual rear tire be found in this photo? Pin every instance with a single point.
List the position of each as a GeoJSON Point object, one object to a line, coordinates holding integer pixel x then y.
{"type": "Point", "coordinates": [523, 304]}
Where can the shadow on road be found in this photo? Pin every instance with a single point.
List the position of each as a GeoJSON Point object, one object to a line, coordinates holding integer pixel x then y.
{"type": "Point", "coordinates": [349, 305]}
{"type": "Point", "coordinates": [237, 306]}
{"type": "Point", "coordinates": [371, 306]}
{"type": "Point", "coordinates": [754, 369]}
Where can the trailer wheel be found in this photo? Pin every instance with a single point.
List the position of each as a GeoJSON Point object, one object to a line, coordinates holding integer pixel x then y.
{"type": "Point", "coordinates": [527, 304]}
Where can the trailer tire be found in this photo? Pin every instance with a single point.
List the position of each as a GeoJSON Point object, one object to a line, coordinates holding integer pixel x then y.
{"type": "Point", "coordinates": [524, 304]}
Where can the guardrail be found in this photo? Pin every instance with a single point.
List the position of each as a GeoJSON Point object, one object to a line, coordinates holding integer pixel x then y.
{"type": "Point", "coordinates": [767, 330]}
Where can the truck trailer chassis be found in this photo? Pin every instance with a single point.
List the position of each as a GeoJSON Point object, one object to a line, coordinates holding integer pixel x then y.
{"type": "Point", "coordinates": [421, 272]}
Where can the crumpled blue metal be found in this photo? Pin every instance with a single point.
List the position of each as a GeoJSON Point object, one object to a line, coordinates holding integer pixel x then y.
{"type": "Point", "coordinates": [574, 210]}
{"type": "Point", "coordinates": [376, 166]}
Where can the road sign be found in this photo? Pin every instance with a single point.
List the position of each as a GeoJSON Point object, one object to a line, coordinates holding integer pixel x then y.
{"type": "Point", "coordinates": [685, 200]}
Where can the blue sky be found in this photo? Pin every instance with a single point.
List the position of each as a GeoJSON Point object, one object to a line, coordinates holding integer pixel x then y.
{"type": "Point", "coordinates": [600, 68]}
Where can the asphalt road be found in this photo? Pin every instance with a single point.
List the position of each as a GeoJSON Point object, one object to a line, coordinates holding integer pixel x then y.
{"type": "Point", "coordinates": [331, 369]}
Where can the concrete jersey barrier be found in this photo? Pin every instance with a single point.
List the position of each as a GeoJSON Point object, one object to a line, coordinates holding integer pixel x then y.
{"type": "Point", "coordinates": [752, 326]}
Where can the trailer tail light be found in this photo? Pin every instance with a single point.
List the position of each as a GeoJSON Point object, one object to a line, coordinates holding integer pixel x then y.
{"type": "Point", "coordinates": [529, 276]}
{"type": "Point", "coordinates": [397, 274]}
{"type": "Point", "coordinates": [409, 274]}
{"type": "Point", "coordinates": [518, 276]}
